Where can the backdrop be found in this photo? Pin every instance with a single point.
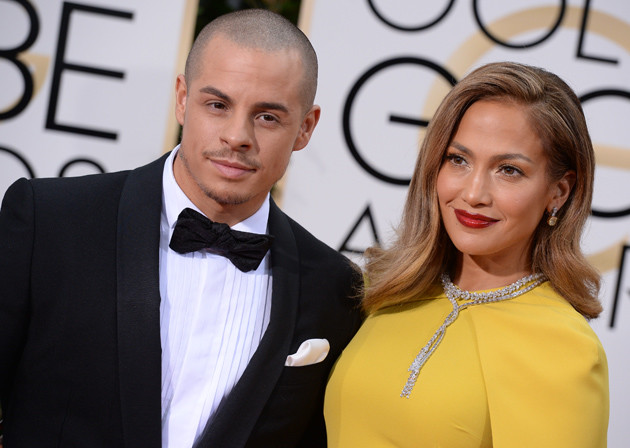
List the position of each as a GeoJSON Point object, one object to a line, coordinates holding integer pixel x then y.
{"type": "Point", "coordinates": [386, 65]}
{"type": "Point", "coordinates": [88, 86]}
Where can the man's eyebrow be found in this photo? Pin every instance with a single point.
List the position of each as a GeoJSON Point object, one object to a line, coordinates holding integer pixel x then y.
{"type": "Point", "coordinates": [273, 106]}
{"type": "Point", "coordinates": [216, 92]}
{"type": "Point", "coordinates": [262, 105]}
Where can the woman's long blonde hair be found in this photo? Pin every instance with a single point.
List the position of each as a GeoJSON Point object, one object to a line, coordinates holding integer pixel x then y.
{"type": "Point", "coordinates": [422, 249]}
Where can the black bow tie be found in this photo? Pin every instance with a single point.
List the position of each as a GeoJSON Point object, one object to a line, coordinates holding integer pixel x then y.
{"type": "Point", "coordinates": [193, 231]}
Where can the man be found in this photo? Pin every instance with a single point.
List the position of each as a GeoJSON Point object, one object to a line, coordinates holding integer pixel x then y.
{"type": "Point", "coordinates": [114, 331]}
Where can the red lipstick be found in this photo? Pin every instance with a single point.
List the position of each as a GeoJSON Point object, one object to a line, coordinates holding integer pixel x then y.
{"type": "Point", "coordinates": [474, 221]}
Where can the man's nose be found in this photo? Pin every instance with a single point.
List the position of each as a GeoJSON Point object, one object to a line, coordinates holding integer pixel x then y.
{"type": "Point", "coordinates": [238, 132]}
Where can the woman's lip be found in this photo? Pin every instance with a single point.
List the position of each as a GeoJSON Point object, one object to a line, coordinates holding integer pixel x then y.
{"type": "Point", "coordinates": [474, 220]}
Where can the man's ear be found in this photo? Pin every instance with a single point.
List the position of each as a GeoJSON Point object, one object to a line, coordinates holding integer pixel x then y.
{"type": "Point", "coordinates": [308, 126]}
{"type": "Point", "coordinates": [181, 94]}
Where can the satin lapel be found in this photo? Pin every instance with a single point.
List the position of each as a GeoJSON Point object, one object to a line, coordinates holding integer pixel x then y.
{"type": "Point", "coordinates": [238, 413]}
{"type": "Point", "coordinates": [139, 345]}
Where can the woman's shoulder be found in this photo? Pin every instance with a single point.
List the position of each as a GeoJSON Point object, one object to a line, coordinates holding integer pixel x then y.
{"type": "Point", "coordinates": [537, 351]}
{"type": "Point", "coordinates": [543, 324]}
{"type": "Point", "coordinates": [544, 303]}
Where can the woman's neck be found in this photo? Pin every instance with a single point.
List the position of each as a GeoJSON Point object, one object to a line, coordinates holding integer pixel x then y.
{"type": "Point", "coordinates": [481, 273]}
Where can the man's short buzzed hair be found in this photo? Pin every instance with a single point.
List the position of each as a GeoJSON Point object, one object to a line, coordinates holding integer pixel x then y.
{"type": "Point", "coordinates": [260, 29]}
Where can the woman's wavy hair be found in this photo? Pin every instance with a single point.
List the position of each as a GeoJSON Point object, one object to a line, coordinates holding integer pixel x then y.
{"type": "Point", "coordinates": [422, 249]}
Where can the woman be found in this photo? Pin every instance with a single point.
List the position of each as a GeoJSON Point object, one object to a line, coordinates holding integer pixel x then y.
{"type": "Point", "coordinates": [499, 196]}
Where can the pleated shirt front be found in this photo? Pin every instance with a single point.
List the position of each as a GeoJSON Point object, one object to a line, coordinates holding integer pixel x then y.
{"type": "Point", "coordinates": [212, 318]}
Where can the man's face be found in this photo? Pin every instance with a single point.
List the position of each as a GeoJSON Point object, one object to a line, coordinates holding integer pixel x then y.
{"type": "Point", "coordinates": [242, 116]}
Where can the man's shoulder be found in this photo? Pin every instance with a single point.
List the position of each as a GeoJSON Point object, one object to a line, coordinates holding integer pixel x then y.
{"type": "Point", "coordinates": [93, 189]}
{"type": "Point", "coordinates": [316, 249]}
{"type": "Point", "coordinates": [73, 191]}
{"type": "Point", "coordinates": [90, 183]}
{"type": "Point", "coordinates": [78, 181]}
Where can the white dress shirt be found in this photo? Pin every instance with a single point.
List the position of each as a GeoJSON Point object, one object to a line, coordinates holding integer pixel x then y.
{"type": "Point", "coordinates": [212, 318]}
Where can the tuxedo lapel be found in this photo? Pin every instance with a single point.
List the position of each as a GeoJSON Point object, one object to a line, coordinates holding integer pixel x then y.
{"type": "Point", "coordinates": [139, 305]}
{"type": "Point", "coordinates": [235, 418]}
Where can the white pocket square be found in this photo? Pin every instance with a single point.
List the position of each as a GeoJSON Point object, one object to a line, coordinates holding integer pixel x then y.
{"type": "Point", "coordinates": [310, 352]}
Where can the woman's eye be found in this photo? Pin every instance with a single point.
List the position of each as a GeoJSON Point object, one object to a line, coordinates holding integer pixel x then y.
{"type": "Point", "coordinates": [455, 159]}
{"type": "Point", "coordinates": [510, 170]}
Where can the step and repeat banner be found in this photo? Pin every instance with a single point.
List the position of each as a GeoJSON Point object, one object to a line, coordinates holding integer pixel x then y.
{"type": "Point", "coordinates": [384, 67]}
{"type": "Point", "coordinates": [87, 85]}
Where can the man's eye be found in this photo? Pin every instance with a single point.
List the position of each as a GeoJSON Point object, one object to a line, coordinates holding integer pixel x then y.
{"type": "Point", "coordinates": [267, 117]}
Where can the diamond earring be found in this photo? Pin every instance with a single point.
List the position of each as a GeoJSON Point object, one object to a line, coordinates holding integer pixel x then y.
{"type": "Point", "coordinates": [553, 219]}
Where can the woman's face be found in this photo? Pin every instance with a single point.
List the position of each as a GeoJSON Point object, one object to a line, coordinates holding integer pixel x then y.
{"type": "Point", "coordinates": [493, 187]}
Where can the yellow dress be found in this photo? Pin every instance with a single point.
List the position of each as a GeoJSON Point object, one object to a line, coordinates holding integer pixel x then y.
{"type": "Point", "coordinates": [525, 372]}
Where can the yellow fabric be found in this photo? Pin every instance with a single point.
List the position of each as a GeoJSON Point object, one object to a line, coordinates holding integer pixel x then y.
{"type": "Point", "coordinates": [526, 372]}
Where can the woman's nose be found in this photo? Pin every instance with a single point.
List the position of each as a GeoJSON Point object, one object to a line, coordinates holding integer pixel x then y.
{"type": "Point", "coordinates": [477, 189]}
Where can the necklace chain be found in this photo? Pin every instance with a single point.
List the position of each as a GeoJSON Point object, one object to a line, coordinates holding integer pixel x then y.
{"type": "Point", "coordinates": [469, 299]}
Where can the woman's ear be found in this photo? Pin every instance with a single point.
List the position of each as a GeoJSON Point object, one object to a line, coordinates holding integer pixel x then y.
{"type": "Point", "coordinates": [561, 190]}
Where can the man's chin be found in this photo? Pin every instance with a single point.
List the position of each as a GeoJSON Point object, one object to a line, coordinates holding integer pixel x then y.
{"type": "Point", "coordinates": [227, 200]}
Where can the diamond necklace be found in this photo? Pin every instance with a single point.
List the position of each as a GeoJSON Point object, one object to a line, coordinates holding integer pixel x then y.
{"type": "Point", "coordinates": [475, 298]}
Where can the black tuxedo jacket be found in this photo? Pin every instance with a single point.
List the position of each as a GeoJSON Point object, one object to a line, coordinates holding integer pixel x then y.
{"type": "Point", "coordinates": [80, 332]}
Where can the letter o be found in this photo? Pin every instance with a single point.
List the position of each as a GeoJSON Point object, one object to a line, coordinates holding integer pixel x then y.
{"type": "Point", "coordinates": [519, 46]}
{"type": "Point", "coordinates": [21, 159]}
{"type": "Point", "coordinates": [64, 168]}
{"type": "Point", "coordinates": [388, 22]}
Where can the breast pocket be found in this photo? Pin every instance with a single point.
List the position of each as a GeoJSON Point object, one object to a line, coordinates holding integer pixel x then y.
{"type": "Point", "coordinates": [313, 375]}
